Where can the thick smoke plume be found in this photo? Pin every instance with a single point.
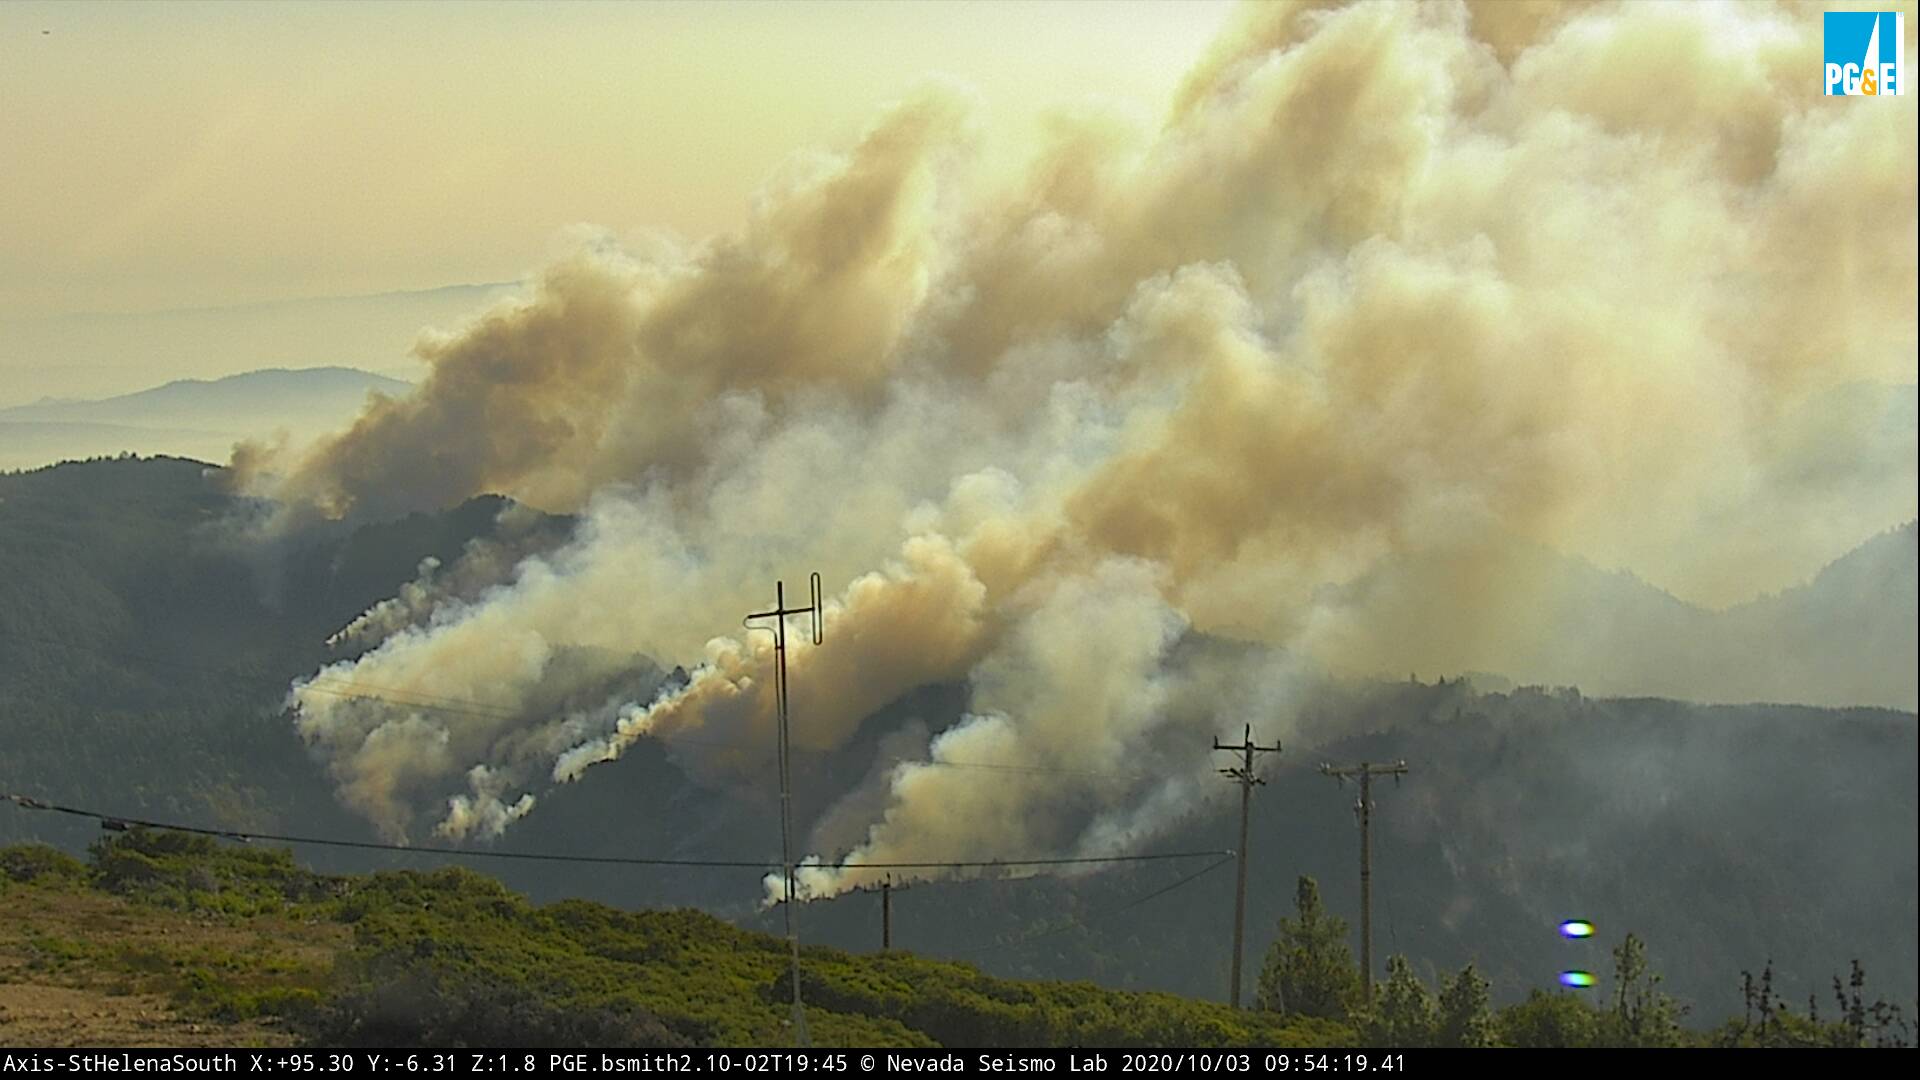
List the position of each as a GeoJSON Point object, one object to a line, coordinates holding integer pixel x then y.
{"type": "Point", "coordinates": [1395, 292]}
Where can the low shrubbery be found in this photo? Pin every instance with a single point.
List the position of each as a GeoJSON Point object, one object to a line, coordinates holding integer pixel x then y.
{"type": "Point", "coordinates": [451, 958]}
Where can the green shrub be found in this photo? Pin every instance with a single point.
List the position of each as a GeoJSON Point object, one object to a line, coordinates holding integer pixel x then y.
{"type": "Point", "coordinates": [423, 1005]}
{"type": "Point", "coordinates": [28, 863]}
{"type": "Point", "coordinates": [200, 873]}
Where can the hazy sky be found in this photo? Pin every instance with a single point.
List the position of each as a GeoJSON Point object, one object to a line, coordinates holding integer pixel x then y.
{"type": "Point", "coordinates": [167, 155]}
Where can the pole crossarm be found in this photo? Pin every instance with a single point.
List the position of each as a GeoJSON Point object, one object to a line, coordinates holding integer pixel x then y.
{"type": "Point", "coordinates": [1365, 768]}
{"type": "Point", "coordinates": [1363, 809]}
{"type": "Point", "coordinates": [780, 613]}
{"type": "Point", "coordinates": [1247, 777]}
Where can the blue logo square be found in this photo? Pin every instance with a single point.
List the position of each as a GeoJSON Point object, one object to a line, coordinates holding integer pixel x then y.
{"type": "Point", "coordinates": [1862, 54]}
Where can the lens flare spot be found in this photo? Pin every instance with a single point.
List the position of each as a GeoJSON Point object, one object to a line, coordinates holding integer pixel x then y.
{"type": "Point", "coordinates": [1579, 980]}
{"type": "Point", "coordinates": [1576, 928]}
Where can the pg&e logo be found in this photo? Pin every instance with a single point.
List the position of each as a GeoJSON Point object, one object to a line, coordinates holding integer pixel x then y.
{"type": "Point", "coordinates": [1863, 53]}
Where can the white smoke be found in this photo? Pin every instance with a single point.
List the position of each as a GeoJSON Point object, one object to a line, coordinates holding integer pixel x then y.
{"type": "Point", "coordinates": [1407, 285]}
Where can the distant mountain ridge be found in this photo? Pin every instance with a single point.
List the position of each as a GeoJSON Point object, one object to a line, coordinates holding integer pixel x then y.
{"type": "Point", "coordinates": [1846, 636]}
{"type": "Point", "coordinates": [196, 418]}
{"type": "Point", "coordinates": [86, 355]}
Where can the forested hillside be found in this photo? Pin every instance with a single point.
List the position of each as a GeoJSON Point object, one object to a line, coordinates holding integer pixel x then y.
{"type": "Point", "coordinates": [1722, 836]}
{"type": "Point", "coordinates": [189, 417]}
{"type": "Point", "coordinates": [146, 649]}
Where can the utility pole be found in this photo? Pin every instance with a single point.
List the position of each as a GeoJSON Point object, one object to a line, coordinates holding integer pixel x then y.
{"type": "Point", "coordinates": [1366, 771]}
{"type": "Point", "coordinates": [1247, 778]}
{"type": "Point", "coordinates": [779, 629]}
{"type": "Point", "coordinates": [885, 889]}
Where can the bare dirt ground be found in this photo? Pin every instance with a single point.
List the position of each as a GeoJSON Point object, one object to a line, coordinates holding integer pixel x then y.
{"type": "Point", "coordinates": [79, 968]}
{"type": "Point", "coordinates": [40, 1015]}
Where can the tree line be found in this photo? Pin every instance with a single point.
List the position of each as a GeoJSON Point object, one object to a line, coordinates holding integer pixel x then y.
{"type": "Point", "coordinates": [1310, 972]}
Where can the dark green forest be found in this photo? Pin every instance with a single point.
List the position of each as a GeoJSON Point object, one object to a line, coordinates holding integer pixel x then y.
{"type": "Point", "coordinates": [146, 650]}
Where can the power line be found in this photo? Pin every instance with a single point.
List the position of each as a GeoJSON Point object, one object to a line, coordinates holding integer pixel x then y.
{"type": "Point", "coordinates": [1080, 924]}
{"type": "Point", "coordinates": [1159, 856]}
{"type": "Point", "coordinates": [1048, 770]}
{"type": "Point", "coordinates": [350, 690]}
{"type": "Point", "coordinates": [123, 653]}
{"type": "Point", "coordinates": [356, 692]}
{"type": "Point", "coordinates": [119, 823]}
{"type": "Point", "coordinates": [339, 687]}
{"type": "Point", "coordinates": [334, 686]}
{"type": "Point", "coordinates": [433, 703]}
{"type": "Point", "coordinates": [362, 692]}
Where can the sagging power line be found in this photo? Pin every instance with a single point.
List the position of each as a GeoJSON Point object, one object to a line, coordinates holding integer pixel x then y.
{"type": "Point", "coordinates": [1081, 924]}
{"type": "Point", "coordinates": [123, 823]}
{"type": "Point", "coordinates": [354, 690]}
{"type": "Point", "coordinates": [412, 699]}
{"type": "Point", "coordinates": [433, 703]}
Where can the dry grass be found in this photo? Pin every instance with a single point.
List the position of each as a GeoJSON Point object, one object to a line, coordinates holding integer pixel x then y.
{"type": "Point", "coordinates": [80, 968]}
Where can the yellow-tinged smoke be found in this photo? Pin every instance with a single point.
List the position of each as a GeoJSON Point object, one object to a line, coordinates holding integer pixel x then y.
{"type": "Point", "coordinates": [1399, 294]}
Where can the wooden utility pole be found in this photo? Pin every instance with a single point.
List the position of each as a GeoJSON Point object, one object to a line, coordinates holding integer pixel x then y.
{"type": "Point", "coordinates": [885, 888]}
{"type": "Point", "coordinates": [1366, 771]}
{"type": "Point", "coordinates": [1247, 778]}
{"type": "Point", "coordinates": [779, 629]}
